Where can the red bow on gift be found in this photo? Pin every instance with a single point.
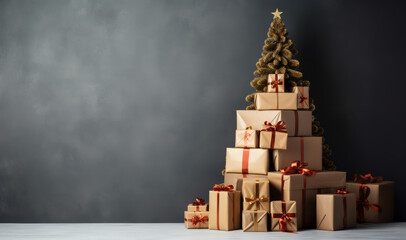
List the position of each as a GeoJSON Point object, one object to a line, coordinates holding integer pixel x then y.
{"type": "Point", "coordinates": [363, 203]}
{"type": "Point", "coordinates": [302, 99]}
{"type": "Point", "coordinates": [276, 82]}
{"type": "Point", "coordinates": [197, 219]}
{"type": "Point", "coordinates": [279, 126]}
{"type": "Point", "coordinates": [298, 167]}
{"type": "Point", "coordinates": [283, 222]}
{"type": "Point", "coordinates": [227, 188]}
{"type": "Point", "coordinates": [199, 201]}
{"type": "Point", "coordinates": [367, 178]}
{"type": "Point", "coordinates": [342, 191]}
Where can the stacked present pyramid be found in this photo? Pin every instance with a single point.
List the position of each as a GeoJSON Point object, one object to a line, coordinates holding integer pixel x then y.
{"type": "Point", "coordinates": [274, 178]}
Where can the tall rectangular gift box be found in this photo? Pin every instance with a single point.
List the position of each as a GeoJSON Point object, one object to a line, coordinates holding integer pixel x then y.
{"type": "Point", "coordinates": [247, 138]}
{"type": "Point", "coordinates": [247, 160]}
{"type": "Point", "coordinates": [255, 194]}
{"type": "Point", "coordinates": [225, 208]}
{"type": "Point", "coordinates": [275, 101]}
{"type": "Point", "coordinates": [303, 190]}
{"type": "Point", "coordinates": [276, 83]}
{"type": "Point", "coordinates": [374, 198]}
{"type": "Point", "coordinates": [305, 149]}
{"type": "Point", "coordinates": [336, 211]}
{"type": "Point", "coordinates": [298, 123]}
{"type": "Point", "coordinates": [302, 97]}
{"type": "Point", "coordinates": [254, 221]}
{"type": "Point", "coordinates": [196, 219]}
{"type": "Point", "coordinates": [283, 216]}
{"type": "Point", "coordinates": [236, 179]}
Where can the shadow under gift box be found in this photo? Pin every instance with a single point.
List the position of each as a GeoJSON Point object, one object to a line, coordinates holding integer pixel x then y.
{"type": "Point", "coordinates": [381, 194]}
{"type": "Point", "coordinates": [298, 123]}
{"type": "Point", "coordinates": [293, 190]}
{"type": "Point", "coordinates": [332, 214]}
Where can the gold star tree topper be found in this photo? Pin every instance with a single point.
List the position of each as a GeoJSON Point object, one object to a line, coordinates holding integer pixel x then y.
{"type": "Point", "coordinates": [277, 14]}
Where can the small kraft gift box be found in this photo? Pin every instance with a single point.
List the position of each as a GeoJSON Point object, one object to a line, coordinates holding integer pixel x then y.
{"type": "Point", "coordinates": [225, 208]}
{"type": "Point", "coordinates": [302, 97]}
{"type": "Point", "coordinates": [298, 123]}
{"type": "Point", "coordinates": [305, 149]}
{"type": "Point", "coordinates": [275, 101]}
{"type": "Point", "coordinates": [198, 206]}
{"type": "Point", "coordinates": [236, 179]}
{"type": "Point", "coordinates": [274, 136]}
{"type": "Point", "coordinates": [374, 198]}
{"type": "Point", "coordinates": [276, 83]}
{"type": "Point", "coordinates": [247, 160]}
{"type": "Point", "coordinates": [247, 138]}
{"type": "Point", "coordinates": [254, 221]}
{"type": "Point", "coordinates": [283, 216]}
{"type": "Point", "coordinates": [196, 219]}
{"type": "Point", "coordinates": [255, 193]}
{"type": "Point", "coordinates": [297, 183]}
{"type": "Point", "coordinates": [336, 211]}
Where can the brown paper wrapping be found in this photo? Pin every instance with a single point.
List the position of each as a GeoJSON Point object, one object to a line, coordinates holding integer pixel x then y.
{"type": "Point", "coordinates": [281, 140]}
{"type": "Point", "coordinates": [298, 123]}
{"type": "Point", "coordinates": [255, 194]}
{"type": "Point", "coordinates": [276, 208]}
{"type": "Point", "coordinates": [236, 179]}
{"type": "Point", "coordinates": [330, 211]}
{"type": "Point", "coordinates": [190, 215]}
{"type": "Point", "coordinates": [306, 149]}
{"type": "Point", "coordinates": [302, 92]}
{"type": "Point", "coordinates": [254, 221]}
{"type": "Point", "coordinates": [322, 182]}
{"type": "Point", "coordinates": [246, 138]}
{"type": "Point", "coordinates": [258, 160]}
{"type": "Point", "coordinates": [225, 210]}
{"type": "Point", "coordinates": [200, 208]}
{"type": "Point", "coordinates": [273, 101]}
{"type": "Point", "coordinates": [381, 194]}
{"type": "Point", "coordinates": [271, 78]}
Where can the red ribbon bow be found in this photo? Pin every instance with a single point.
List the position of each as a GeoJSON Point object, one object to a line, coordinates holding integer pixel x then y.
{"type": "Point", "coordinates": [342, 191]}
{"type": "Point", "coordinates": [226, 188]}
{"type": "Point", "coordinates": [199, 201]}
{"type": "Point", "coordinates": [297, 167]}
{"type": "Point", "coordinates": [363, 203]}
{"type": "Point", "coordinates": [302, 99]}
{"type": "Point", "coordinates": [279, 126]}
{"type": "Point", "coordinates": [197, 219]}
{"type": "Point", "coordinates": [276, 82]}
{"type": "Point", "coordinates": [367, 178]}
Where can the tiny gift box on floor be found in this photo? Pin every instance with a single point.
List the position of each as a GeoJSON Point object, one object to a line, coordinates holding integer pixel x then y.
{"type": "Point", "coordinates": [197, 215]}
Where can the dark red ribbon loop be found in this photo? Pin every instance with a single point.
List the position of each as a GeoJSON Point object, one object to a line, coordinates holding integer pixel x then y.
{"type": "Point", "coordinates": [198, 219]}
{"type": "Point", "coordinates": [367, 178]}
{"type": "Point", "coordinates": [199, 201]}
{"type": "Point", "coordinates": [226, 188]}
{"type": "Point", "coordinates": [278, 127]}
{"type": "Point", "coordinates": [302, 99]}
{"type": "Point", "coordinates": [363, 203]}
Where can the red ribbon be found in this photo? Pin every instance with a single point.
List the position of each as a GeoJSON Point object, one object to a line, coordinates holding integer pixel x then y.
{"type": "Point", "coordinates": [363, 203]}
{"type": "Point", "coordinates": [199, 201]}
{"type": "Point", "coordinates": [278, 127]}
{"type": "Point", "coordinates": [224, 188]}
{"type": "Point", "coordinates": [275, 83]}
{"type": "Point", "coordinates": [284, 218]}
{"type": "Point", "coordinates": [298, 167]}
{"type": "Point", "coordinates": [245, 159]}
{"type": "Point", "coordinates": [344, 192]}
{"type": "Point", "coordinates": [367, 178]}
{"type": "Point", "coordinates": [198, 220]}
{"type": "Point", "coordinates": [296, 123]}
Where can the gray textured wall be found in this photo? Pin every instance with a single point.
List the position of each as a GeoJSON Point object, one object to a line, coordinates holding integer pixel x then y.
{"type": "Point", "coordinates": [120, 111]}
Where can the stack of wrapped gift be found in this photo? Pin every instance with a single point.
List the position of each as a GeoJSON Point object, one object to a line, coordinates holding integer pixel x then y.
{"type": "Point", "coordinates": [197, 215]}
{"type": "Point", "coordinates": [255, 194]}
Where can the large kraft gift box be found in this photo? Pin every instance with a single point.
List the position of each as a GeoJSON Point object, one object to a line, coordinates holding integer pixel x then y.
{"type": "Point", "coordinates": [336, 211]}
{"type": "Point", "coordinates": [225, 208]}
{"type": "Point", "coordinates": [246, 138]}
{"type": "Point", "coordinates": [236, 179]}
{"type": "Point", "coordinates": [374, 201]}
{"type": "Point", "coordinates": [276, 83]}
{"type": "Point", "coordinates": [294, 189]}
{"type": "Point", "coordinates": [198, 206]}
{"type": "Point", "coordinates": [254, 221]}
{"type": "Point", "coordinates": [247, 160]}
{"type": "Point", "coordinates": [196, 219]}
{"type": "Point", "coordinates": [274, 101]}
{"type": "Point", "coordinates": [255, 194]}
{"type": "Point", "coordinates": [302, 97]}
{"type": "Point", "coordinates": [298, 123]}
{"type": "Point", "coordinates": [304, 149]}
{"type": "Point", "coordinates": [287, 211]}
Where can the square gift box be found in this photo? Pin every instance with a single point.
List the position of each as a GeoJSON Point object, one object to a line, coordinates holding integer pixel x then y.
{"type": "Point", "coordinates": [254, 221]}
{"type": "Point", "coordinates": [275, 101]}
{"type": "Point", "coordinates": [247, 138]}
{"type": "Point", "coordinates": [255, 194]}
{"type": "Point", "coordinates": [247, 160]}
{"type": "Point", "coordinates": [225, 208]}
{"type": "Point", "coordinates": [196, 219]}
{"type": "Point", "coordinates": [285, 211]}
{"type": "Point", "coordinates": [273, 139]}
{"type": "Point", "coordinates": [276, 83]}
{"type": "Point", "coordinates": [302, 97]}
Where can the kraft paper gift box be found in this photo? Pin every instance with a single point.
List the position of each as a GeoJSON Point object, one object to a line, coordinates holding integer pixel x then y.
{"type": "Point", "coordinates": [255, 194]}
{"type": "Point", "coordinates": [254, 221]}
{"type": "Point", "coordinates": [336, 211]}
{"type": "Point", "coordinates": [304, 149]}
{"type": "Point", "coordinates": [275, 101]}
{"type": "Point", "coordinates": [198, 206]}
{"type": "Point", "coordinates": [247, 160]}
{"type": "Point", "coordinates": [225, 209]}
{"type": "Point", "coordinates": [276, 83]}
{"type": "Point", "coordinates": [298, 123]}
{"type": "Point", "coordinates": [246, 138]}
{"type": "Point", "coordinates": [286, 210]}
{"type": "Point", "coordinates": [196, 219]}
{"type": "Point", "coordinates": [274, 136]}
{"type": "Point", "coordinates": [236, 179]}
{"type": "Point", "coordinates": [302, 97]}
{"type": "Point", "coordinates": [294, 189]}
{"type": "Point", "coordinates": [374, 201]}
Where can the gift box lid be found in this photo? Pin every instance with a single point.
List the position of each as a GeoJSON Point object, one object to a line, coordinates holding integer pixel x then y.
{"type": "Point", "coordinates": [325, 179]}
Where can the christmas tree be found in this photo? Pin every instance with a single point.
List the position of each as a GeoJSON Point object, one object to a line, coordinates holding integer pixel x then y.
{"type": "Point", "coordinates": [277, 58]}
